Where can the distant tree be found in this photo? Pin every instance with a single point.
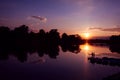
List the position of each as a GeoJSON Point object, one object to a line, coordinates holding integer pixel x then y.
{"type": "Point", "coordinates": [42, 36]}
{"type": "Point", "coordinates": [71, 39]}
{"type": "Point", "coordinates": [54, 36]}
{"type": "Point", "coordinates": [115, 39]}
{"type": "Point", "coordinates": [4, 31]}
{"type": "Point", "coordinates": [41, 31]}
{"type": "Point", "coordinates": [5, 36]}
{"type": "Point", "coordinates": [64, 35]}
{"type": "Point", "coordinates": [21, 31]}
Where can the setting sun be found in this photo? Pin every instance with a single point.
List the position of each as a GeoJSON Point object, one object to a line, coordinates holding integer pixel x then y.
{"type": "Point", "coordinates": [87, 35]}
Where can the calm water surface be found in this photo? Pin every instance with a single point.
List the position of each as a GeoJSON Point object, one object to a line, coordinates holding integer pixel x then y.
{"type": "Point", "coordinates": [67, 65]}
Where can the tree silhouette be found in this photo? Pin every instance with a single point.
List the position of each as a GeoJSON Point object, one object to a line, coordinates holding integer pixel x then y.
{"type": "Point", "coordinates": [19, 42]}
{"type": "Point", "coordinates": [115, 39]}
{"type": "Point", "coordinates": [53, 36]}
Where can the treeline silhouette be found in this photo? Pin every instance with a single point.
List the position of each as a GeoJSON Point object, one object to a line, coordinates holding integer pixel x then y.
{"type": "Point", "coordinates": [113, 42]}
{"type": "Point", "coordinates": [98, 41]}
{"type": "Point", "coordinates": [114, 39]}
{"type": "Point", "coordinates": [20, 41]}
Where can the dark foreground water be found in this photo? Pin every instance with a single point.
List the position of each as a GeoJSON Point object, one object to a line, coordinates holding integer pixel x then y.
{"type": "Point", "coordinates": [66, 66]}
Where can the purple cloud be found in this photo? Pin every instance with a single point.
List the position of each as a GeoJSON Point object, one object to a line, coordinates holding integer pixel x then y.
{"type": "Point", "coordinates": [42, 19]}
{"type": "Point", "coordinates": [114, 29]}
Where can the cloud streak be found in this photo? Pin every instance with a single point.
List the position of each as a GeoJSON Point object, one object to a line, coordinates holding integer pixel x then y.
{"type": "Point", "coordinates": [114, 29]}
{"type": "Point", "coordinates": [42, 19]}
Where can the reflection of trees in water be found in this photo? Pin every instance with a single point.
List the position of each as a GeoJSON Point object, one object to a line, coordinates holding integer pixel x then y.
{"type": "Point", "coordinates": [71, 48]}
{"type": "Point", "coordinates": [19, 42]}
{"type": "Point", "coordinates": [21, 53]}
{"type": "Point", "coordinates": [105, 61]}
{"type": "Point", "coordinates": [115, 48]}
{"type": "Point", "coordinates": [113, 77]}
{"type": "Point", "coordinates": [115, 43]}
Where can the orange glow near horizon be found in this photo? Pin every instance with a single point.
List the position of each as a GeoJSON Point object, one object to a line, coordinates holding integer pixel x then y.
{"type": "Point", "coordinates": [86, 35]}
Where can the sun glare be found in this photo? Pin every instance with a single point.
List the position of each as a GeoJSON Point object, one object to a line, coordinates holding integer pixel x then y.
{"type": "Point", "coordinates": [87, 35]}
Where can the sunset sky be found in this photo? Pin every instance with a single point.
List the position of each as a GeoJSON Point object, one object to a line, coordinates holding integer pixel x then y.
{"type": "Point", "coordinates": [97, 17]}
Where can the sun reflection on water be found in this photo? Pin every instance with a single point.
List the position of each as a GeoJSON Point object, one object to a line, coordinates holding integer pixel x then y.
{"type": "Point", "coordinates": [85, 47]}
